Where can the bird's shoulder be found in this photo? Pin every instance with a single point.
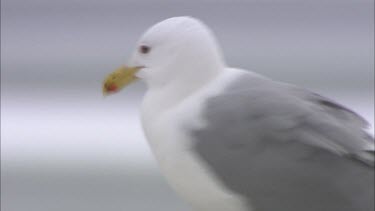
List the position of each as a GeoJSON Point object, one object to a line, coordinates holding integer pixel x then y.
{"type": "Point", "coordinates": [261, 136]}
{"type": "Point", "coordinates": [256, 106]}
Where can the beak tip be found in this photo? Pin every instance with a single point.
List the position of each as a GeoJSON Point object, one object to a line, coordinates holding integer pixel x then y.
{"type": "Point", "coordinates": [118, 79]}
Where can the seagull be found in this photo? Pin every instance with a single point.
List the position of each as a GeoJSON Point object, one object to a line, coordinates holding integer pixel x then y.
{"type": "Point", "coordinates": [228, 139]}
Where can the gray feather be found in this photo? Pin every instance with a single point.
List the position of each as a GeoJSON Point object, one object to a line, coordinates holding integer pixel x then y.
{"type": "Point", "coordinates": [287, 149]}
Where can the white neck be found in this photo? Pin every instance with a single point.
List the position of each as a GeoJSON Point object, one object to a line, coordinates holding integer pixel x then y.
{"type": "Point", "coordinates": [160, 97]}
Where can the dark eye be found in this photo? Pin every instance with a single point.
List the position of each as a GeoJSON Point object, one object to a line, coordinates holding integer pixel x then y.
{"type": "Point", "coordinates": [144, 49]}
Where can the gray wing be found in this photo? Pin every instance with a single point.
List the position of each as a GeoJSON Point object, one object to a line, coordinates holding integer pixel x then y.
{"type": "Point", "coordinates": [287, 149]}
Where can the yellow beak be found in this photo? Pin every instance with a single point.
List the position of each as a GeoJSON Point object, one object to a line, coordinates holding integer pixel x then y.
{"type": "Point", "coordinates": [118, 79]}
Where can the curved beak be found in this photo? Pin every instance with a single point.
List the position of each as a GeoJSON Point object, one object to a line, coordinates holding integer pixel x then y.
{"type": "Point", "coordinates": [118, 79]}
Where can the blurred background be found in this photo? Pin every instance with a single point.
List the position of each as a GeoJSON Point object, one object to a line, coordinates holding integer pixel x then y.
{"type": "Point", "coordinates": [66, 147]}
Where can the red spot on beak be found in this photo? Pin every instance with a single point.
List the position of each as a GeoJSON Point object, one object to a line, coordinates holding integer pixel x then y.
{"type": "Point", "coordinates": [112, 88]}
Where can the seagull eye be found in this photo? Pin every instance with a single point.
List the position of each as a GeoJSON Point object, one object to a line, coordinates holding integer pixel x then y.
{"type": "Point", "coordinates": [144, 49]}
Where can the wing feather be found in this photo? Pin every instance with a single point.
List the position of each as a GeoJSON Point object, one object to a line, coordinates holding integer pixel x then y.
{"type": "Point", "coordinates": [285, 148]}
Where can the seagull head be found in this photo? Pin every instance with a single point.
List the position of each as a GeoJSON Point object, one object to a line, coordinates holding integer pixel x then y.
{"type": "Point", "coordinates": [179, 51]}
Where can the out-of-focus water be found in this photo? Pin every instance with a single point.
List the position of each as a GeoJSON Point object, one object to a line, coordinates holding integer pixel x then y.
{"type": "Point", "coordinates": [66, 147]}
{"type": "Point", "coordinates": [85, 155]}
{"type": "Point", "coordinates": [60, 187]}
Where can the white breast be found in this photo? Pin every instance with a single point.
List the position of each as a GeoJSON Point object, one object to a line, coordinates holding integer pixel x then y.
{"type": "Point", "coordinates": [172, 147]}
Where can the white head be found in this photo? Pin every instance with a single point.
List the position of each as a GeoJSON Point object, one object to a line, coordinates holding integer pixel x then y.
{"type": "Point", "coordinates": [179, 53]}
{"type": "Point", "coordinates": [177, 50]}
